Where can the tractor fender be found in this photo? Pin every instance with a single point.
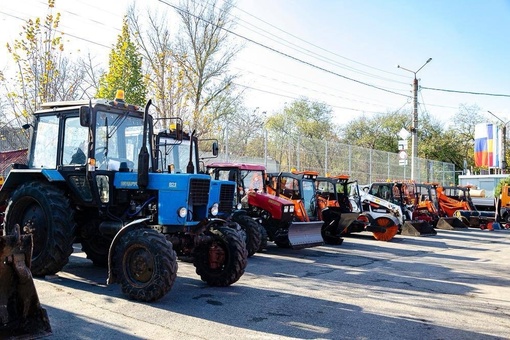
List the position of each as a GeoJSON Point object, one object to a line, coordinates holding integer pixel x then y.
{"type": "Point", "coordinates": [238, 213]}
{"type": "Point", "coordinates": [112, 278]}
{"type": "Point", "coordinates": [17, 177]}
{"type": "Point", "coordinates": [215, 222]}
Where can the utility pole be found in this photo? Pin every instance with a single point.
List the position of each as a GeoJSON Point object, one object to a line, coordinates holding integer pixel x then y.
{"type": "Point", "coordinates": [414, 128]}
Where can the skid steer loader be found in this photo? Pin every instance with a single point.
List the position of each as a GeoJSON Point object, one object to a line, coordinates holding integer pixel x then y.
{"type": "Point", "coordinates": [398, 198]}
{"type": "Point", "coordinates": [21, 314]}
{"type": "Point", "coordinates": [340, 204]}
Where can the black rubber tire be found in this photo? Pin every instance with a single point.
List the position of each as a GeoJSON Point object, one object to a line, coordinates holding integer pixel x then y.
{"type": "Point", "coordinates": [235, 257]}
{"type": "Point", "coordinates": [252, 231]}
{"type": "Point", "coordinates": [145, 264]}
{"type": "Point", "coordinates": [330, 229]}
{"type": "Point", "coordinates": [46, 210]}
{"type": "Point", "coordinates": [329, 235]}
{"type": "Point", "coordinates": [263, 238]}
{"type": "Point", "coordinates": [96, 245]}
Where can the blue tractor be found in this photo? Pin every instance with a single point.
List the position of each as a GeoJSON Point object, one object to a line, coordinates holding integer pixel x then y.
{"type": "Point", "coordinates": [92, 177]}
{"type": "Point", "coordinates": [175, 149]}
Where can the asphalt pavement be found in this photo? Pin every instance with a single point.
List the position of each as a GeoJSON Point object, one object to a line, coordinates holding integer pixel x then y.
{"type": "Point", "coordinates": [455, 285]}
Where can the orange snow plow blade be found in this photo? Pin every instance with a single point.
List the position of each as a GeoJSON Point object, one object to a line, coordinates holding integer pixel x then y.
{"type": "Point", "coordinates": [21, 314]}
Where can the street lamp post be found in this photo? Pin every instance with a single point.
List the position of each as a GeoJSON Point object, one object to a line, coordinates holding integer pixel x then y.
{"type": "Point", "coordinates": [414, 129]}
{"type": "Point", "coordinates": [503, 132]}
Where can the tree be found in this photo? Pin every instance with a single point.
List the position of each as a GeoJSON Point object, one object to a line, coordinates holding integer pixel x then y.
{"type": "Point", "coordinates": [204, 54]}
{"type": "Point", "coordinates": [301, 129]}
{"type": "Point", "coordinates": [464, 129]}
{"type": "Point", "coordinates": [379, 132]}
{"type": "Point", "coordinates": [165, 80]}
{"type": "Point", "coordinates": [42, 71]}
{"type": "Point", "coordinates": [125, 71]}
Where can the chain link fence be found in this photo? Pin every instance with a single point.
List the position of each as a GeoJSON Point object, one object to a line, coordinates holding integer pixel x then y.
{"type": "Point", "coordinates": [278, 153]}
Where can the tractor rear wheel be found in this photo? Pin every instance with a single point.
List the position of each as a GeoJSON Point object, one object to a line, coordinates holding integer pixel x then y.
{"type": "Point", "coordinates": [389, 225]}
{"type": "Point", "coordinates": [145, 264]}
{"type": "Point", "coordinates": [44, 211]}
{"type": "Point", "coordinates": [252, 231]}
{"type": "Point", "coordinates": [222, 260]}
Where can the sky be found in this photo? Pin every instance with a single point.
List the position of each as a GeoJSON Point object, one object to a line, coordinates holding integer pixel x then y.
{"type": "Point", "coordinates": [341, 52]}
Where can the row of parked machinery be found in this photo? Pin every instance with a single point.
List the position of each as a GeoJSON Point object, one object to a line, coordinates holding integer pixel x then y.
{"type": "Point", "coordinates": [130, 189]}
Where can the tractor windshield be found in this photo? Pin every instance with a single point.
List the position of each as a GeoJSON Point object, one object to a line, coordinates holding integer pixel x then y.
{"type": "Point", "coordinates": [118, 141]}
{"type": "Point", "coordinates": [173, 155]}
{"type": "Point", "coordinates": [309, 197]}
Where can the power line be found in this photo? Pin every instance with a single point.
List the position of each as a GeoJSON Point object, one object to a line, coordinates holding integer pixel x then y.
{"type": "Point", "coordinates": [322, 49]}
{"type": "Point", "coordinates": [282, 53]}
{"type": "Point", "coordinates": [467, 92]}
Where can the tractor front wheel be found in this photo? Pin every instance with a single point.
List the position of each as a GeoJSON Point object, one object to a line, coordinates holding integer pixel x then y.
{"type": "Point", "coordinates": [145, 264]}
{"type": "Point", "coordinates": [222, 260]}
{"type": "Point", "coordinates": [44, 211]}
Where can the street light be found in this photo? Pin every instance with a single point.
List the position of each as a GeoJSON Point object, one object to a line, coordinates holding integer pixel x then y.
{"type": "Point", "coordinates": [503, 132]}
{"type": "Point", "coordinates": [414, 139]}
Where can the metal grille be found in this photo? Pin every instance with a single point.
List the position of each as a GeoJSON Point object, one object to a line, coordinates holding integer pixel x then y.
{"type": "Point", "coordinates": [199, 191]}
{"type": "Point", "coordinates": [226, 197]}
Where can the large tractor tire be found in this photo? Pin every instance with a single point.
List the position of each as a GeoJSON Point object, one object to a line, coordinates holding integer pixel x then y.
{"type": "Point", "coordinates": [95, 245]}
{"type": "Point", "coordinates": [145, 264]}
{"type": "Point", "coordinates": [221, 261]}
{"type": "Point", "coordinates": [46, 212]}
{"type": "Point", "coordinates": [389, 225]}
{"type": "Point", "coordinates": [252, 231]}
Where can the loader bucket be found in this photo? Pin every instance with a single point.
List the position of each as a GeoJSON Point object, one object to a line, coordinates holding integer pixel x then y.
{"type": "Point", "coordinates": [21, 314]}
{"type": "Point", "coordinates": [305, 234]}
{"type": "Point", "coordinates": [418, 228]}
{"type": "Point", "coordinates": [450, 223]}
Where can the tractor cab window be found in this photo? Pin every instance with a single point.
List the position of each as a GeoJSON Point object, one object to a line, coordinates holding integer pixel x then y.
{"type": "Point", "coordinates": [174, 155]}
{"type": "Point", "coordinates": [252, 180]}
{"type": "Point", "coordinates": [309, 197]}
{"type": "Point", "coordinates": [290, 187]}
{"type": "Point", "coordinates": [118, 141]}
{"type": "Point", "coordinates": [45, 148]}
{"type": "Point", "coordinates": [75, 142]}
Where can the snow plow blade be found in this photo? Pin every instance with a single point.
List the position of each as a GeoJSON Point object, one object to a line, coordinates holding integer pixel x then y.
{"type": "Point", "coordinates": [305, 234]}
{"type": "Point", "coordinates": [21, 314]}
{"type": "Point", "coordinates": [418, 228]}
{"type": "Point", "coordinates": [450, 223]}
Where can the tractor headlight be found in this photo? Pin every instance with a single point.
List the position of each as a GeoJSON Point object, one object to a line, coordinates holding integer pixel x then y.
{"type": "Point", "coordinates": [214, 209]}
{"type": "Point", "coordinates": [291, 209]}
{"type": "Point", "coordinates": [285, 208]}
{"type": "Point", "coordinates": [182, 212]}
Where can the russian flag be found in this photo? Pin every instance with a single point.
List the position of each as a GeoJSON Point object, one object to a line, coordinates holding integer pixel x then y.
{"type": "Point", "coordinates": [487, 145]}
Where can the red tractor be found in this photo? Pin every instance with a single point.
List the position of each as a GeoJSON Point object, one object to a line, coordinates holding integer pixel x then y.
{"type": "Point", "coordinates": [257, 201]}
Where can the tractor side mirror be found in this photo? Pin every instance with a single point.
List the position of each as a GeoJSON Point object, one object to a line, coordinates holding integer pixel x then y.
{"type": "Point", "coordinates": [85, 116]}
{"type": "Point", "coordinates": [215, 149]}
